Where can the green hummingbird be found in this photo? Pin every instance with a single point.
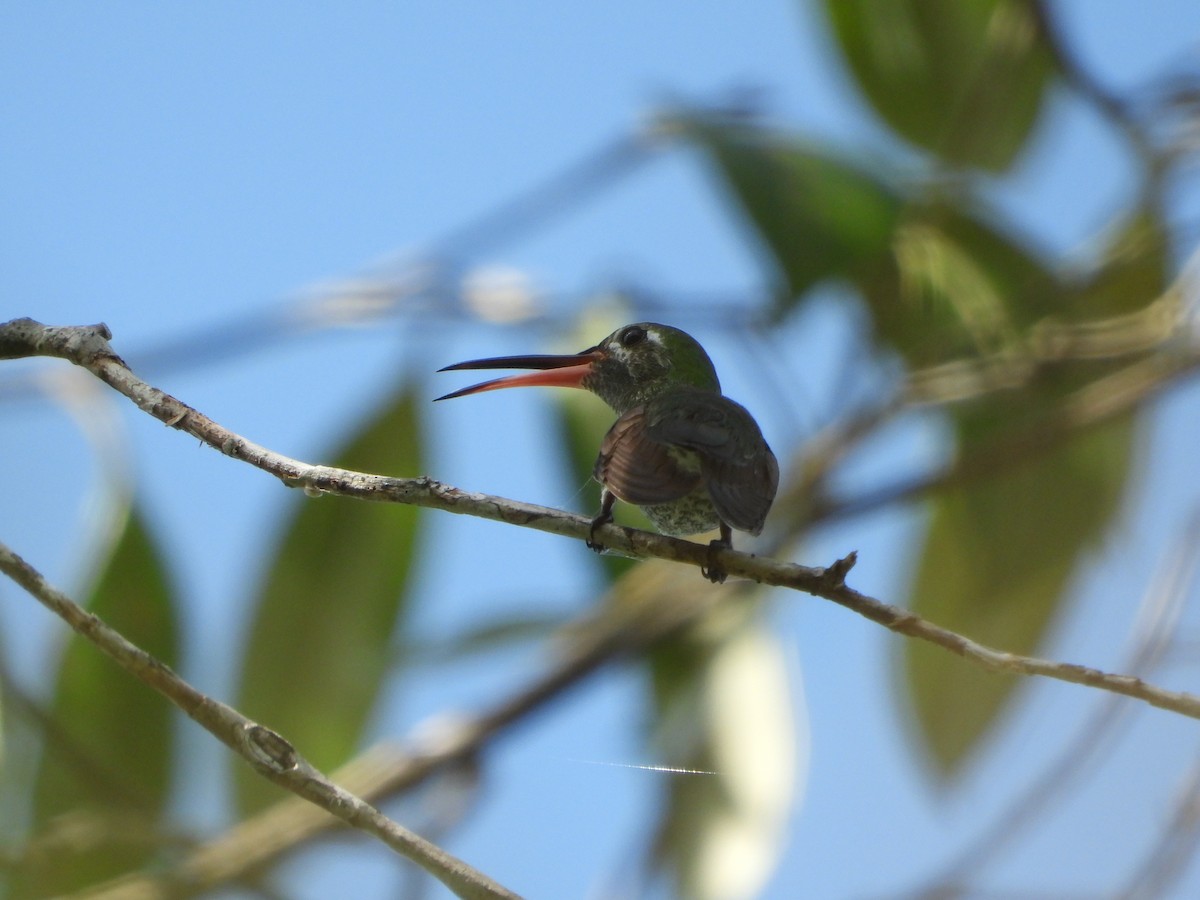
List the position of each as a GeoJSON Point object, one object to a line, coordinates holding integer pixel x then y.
{"type": "Point", "coordinates": [691, 458]}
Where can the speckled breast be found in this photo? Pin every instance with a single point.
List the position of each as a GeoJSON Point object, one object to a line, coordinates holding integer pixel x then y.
{"type": "Point", "coordinates": [690, 515]}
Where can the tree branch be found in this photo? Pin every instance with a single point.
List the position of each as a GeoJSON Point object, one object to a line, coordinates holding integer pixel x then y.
{"type": "Point", "coordinates": [269, 753]}
{"type": "Point", "coordinates": [1154, 636]}
{"type": "Point", "coordinates": [439, 744]}
{"type": "Point", "coordinates": [88, 347]}
{"type": "Point", "coordinates": [1075, 75]}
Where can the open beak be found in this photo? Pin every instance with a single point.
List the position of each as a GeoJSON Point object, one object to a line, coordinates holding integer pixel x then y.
{"type": "Point", "coordinates": [552, 371]}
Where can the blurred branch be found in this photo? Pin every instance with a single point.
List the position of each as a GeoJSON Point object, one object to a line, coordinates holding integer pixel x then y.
{"type": "Point", "coordinates": [1051, 342]}
{"type": "Point", "coordinates": [88, 347]}
{"type": "Point", "coordinates": [1080, 79]}
{"type": "Point", "coordinates": [1160, 339]}
{"type": "Point", "coordinates": [1175, 850]}
{"type": "Point", "coordinates": [425, 283]}
{"type": "Point", "coordinates": [439, 745]}
{"type": "Point", "coordinates": [266, 751]}
{"type": "Point", "coordinates": [598, 169]}
{"type": "Point", "coordinates": [1101, 401]}
{"type": "Point", "coordinates": [105, 780]}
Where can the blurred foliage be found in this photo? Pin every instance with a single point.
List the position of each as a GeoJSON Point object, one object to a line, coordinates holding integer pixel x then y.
{"type": "Point", "coordinates": [818, 216]}
{"type": "Point", "coordinates": [105, 776]}
{"type": "Point", "coordinates": [941, 280]}
{"type": "Point", "coordinates": [1000, 552]}
{"type": "Point", "coordinates": [962, 79]}
{"type": "Point", "coordinates": [998, 557]}
{"type": "Point", "coordinates": [723, 718]}
{"type": "Point", "coordinates": [335, 592]}
{"type": "Point", "coordinates": [1134, 267]}
{"type": "Point", "coordinates": [945, 281]}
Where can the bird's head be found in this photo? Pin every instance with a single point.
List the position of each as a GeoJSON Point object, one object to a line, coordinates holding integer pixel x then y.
{"type": "Point", "coordinates": [628, 367]}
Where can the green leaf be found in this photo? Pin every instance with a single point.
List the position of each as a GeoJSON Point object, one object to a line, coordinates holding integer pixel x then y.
{"type": "Point", "coordinates": [327, 612]}
{"type": "Point", "coordinates": [1131, 272]}
{"type": "Point", "coordinates": [997, 560]}
{"type": "Point", "coordinates": [956, 286]}
{"type": "Point", "coordinates": [108, 754]}
{"type": "Point", "coordinates": [964, 79]}
{"type": "Point", "coordinates": [817, 216]}
{"type": "Point", "coordinates": [726, 716]}
{"type": "Point", "coordinates": [1000, 553]}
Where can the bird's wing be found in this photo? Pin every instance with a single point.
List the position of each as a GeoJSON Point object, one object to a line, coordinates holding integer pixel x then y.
{"type": "Point", "coordinates": [743, 493]}
{"type": "Point", "coordinates": [737, 467]}
{"type": "Point", "coordinates": [639, 469]}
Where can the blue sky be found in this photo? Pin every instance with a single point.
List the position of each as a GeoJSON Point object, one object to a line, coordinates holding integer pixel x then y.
{"type": "Point", "coordinates": [171, 168]}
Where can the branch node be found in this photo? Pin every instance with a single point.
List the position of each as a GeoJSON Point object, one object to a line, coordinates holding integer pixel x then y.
{"type": "Point", "coordinates": [837, 572]}
{"type": "Point", "coordinates": [269, 749]}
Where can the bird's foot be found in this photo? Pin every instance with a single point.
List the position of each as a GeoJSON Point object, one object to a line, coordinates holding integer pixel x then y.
{"type": "Point", "coordinates": [712, 570]}
{"type": "Point", "coordinates": [607, 499]}
{"type": "Point", "coordinates": [602, 518]}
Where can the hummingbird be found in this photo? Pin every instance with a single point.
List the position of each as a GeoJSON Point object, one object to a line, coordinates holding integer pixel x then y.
{"type": "Point", "coordinates": [691, 458]}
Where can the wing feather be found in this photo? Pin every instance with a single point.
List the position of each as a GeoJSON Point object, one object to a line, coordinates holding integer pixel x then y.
{"type": "Point", "coordinates": [639, 469]}
{"type": "Point", "coordinates": [738, 469]}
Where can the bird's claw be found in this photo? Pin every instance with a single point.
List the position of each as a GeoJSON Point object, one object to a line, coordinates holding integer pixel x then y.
{"type": "Point", "coordinates": [712, 570]}
{"type": "Point", "coordinates": [599, 521]}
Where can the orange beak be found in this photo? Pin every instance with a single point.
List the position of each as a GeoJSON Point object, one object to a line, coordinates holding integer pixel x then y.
{"type": "Point", "coordinates": [553, 371]}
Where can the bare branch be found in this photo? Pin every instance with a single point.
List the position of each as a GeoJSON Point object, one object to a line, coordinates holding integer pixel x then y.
{"type": "Point", "coordinates": [269, 753]}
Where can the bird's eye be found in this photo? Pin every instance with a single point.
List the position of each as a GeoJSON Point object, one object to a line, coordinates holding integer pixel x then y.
{"type": "Point", "coordinates": [634, 334]}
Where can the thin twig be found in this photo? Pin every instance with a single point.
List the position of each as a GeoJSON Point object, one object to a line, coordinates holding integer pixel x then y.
{"type": "Point", "coordinates": [269, 753]}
